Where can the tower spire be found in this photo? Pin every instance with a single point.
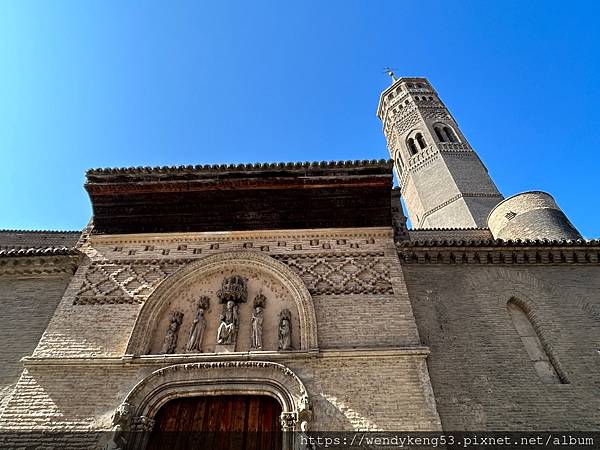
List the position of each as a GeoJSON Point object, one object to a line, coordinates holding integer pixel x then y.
{"type": "Point", "coordinates": [391, 74]}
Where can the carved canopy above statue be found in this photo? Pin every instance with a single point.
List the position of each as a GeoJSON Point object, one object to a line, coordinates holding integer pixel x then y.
{"type": "Point", "coordinates": [174, 305]}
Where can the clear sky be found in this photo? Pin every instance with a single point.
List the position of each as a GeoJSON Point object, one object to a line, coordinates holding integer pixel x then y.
{"type": "Point", "coordinates": [127, 83]}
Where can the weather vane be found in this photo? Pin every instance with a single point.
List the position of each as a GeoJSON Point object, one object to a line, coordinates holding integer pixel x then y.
{"type": "Point", "coordinates": [390, 72]}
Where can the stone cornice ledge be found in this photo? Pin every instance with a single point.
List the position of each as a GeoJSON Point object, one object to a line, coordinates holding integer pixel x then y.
{"type": "Point", "coordinates": [153, 360]}
{"type": "Point", "coordinates": [224, 236]}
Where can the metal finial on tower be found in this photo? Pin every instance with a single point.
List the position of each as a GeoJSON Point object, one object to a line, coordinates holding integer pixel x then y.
{"type": "Point", "coordinates": [390, 72]}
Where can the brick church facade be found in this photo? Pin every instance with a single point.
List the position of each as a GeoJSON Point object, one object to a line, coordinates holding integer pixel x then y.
{"type": "Point", "coordinates": [293, 296]}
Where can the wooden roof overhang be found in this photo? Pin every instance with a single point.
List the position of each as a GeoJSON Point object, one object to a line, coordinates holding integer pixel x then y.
{"type": "Point", "coordinates": [241, 197]}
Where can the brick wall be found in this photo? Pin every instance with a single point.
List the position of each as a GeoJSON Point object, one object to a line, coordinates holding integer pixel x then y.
{"type": "Point", "coordinates": [26, 306]}
{"type": "Point", "coordinates": [481, 374]}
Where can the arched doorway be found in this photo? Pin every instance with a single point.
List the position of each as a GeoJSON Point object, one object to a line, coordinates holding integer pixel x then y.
{"type": "Point", "coordinates": [224, 381]}
{"type": "Point", "coordinates": [224, 422]}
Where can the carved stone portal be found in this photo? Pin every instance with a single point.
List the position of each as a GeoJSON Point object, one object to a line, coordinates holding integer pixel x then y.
{"type": "Point", "coordinates": [228, 377]}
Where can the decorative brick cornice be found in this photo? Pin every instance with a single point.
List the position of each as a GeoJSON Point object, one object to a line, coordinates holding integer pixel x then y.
{"type": "Point", "coordinates": [499, 252]}
{"type": "Point", "coordinates": [40, 231]}
{"type": "Point", "coordinates": [35, 262]}
{"type": "Point", "coordinates": [12, 252]}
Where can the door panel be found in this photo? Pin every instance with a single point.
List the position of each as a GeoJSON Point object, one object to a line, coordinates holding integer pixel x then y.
{"type": "Point", "coordinates": [225, 422]}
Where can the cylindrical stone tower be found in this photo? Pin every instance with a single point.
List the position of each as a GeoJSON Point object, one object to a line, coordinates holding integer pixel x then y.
{"type": "Point", "coordinates": [530, 215]}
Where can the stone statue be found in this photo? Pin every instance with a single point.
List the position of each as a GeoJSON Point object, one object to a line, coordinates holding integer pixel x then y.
{"type": "Point", "coordinates": [233, 292]}
{"type": "Point", "coordinates": [227, 332]}
{"type": "Point", "coordinates": [285, 330]}
{"type": "Point", "coordinates": [257, 322]}
{"type": "Point", "coordinates": [120, 426]}
{"type": "Point", "coordinates": [195, 339]}
{"type": "Point", "coordinates": [170, 342]}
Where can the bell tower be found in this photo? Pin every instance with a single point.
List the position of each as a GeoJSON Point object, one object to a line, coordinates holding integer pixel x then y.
{"type": "Point", "coordinates": [442, 180]}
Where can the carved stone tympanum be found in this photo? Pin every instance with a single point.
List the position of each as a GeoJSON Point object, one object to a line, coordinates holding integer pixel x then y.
{"type": "Point", "coordinates": [257, 322]}
{"type": "Point", "coordinates": [170, 342]}
{"type": "Point", "coordinates": [285, 330]}
{"type": "Point", "coordinates": [194, 343]}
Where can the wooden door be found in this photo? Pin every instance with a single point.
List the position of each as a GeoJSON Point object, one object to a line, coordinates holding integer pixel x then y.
{"type": "Point", "coordinates": [218, 423]}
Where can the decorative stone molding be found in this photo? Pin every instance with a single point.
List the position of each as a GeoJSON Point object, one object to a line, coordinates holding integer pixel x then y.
{"type": "Point", "coordinates": [124, 281]}
{"type": "Point", "coordinates": [498, 252]}
{"type": "Point", "coordinates": [243, 238]}
{"type": "Point", "coordinates": [349, 273]}
{"type": "Point", "coordinates": [158, 302]}
{"type": "Point", "coordinates": [219, 378]}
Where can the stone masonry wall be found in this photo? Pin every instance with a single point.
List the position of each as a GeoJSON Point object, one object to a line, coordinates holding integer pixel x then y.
{"type": "Point", "coordinates": [481, 374]}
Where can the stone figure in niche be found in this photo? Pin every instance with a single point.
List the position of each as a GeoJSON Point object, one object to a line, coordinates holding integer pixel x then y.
{"type": "Point", "coordinates": [285, 330]}
{"type": "Point", "coordinates": [233, 292]}
{"type": "Point", "coordinates": [170, 342]}
{"type": "Point", "coordinates": [227, 332]}
{"type": "Point", "coordinates": [257, 322]}
{"type": "Point", "coordinates": [194, 342]}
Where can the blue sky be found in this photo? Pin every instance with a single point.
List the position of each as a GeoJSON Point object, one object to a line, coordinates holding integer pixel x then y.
{"type": "Point", "coordinates": [123, 83]}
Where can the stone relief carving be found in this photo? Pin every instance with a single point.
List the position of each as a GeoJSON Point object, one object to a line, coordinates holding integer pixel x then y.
{"type": "Point", "coordinates": [356, 273]}
{"type": "Point", "coordinates": [194, 343]}
{"type": "Point", "coordinates": [121, 424]}
{"type": "Point", "coordinates": [170, 342]}
{"type": "Point", "coordinates": [285, 330]}
{"type": "Point", "coordinates": [257, 322]}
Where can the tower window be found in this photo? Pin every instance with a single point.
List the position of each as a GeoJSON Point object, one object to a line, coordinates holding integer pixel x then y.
{"type": "Point", "coordinates": [439, 134]}
{"type": "Point", "coordinates": [450, 134]}
{"type": "Point", "coordinates": [399, 165]}
{"type": "Point", "coordinates": [412, 147]}
{"type": "Point", "coordinates": [421, 141]}
{"type": "Point", "coordinates": [542, 362]}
